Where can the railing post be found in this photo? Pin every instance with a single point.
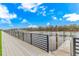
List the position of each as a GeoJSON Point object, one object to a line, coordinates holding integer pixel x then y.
{"type": "Point", "coordinates": [56, 40]}
{"type": "Point", "coordinates": [74, 46]}
{"type": "Point", "coordinates": [23, 36]}
{"type": "Point", "coordinates": [47, 43]}
{"type": "Point", "coordinates": [31, 38]}
{"type": "Point", "coordinates": [56, 37]}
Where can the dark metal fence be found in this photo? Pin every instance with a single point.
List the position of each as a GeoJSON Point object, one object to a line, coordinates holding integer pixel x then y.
{"type": "Point", "coordinates": [76, 47]}
{"type": "Point", "coordinates": [38, 40]}
{"type": "Point", "coordinates": [46, 41]}
{"type": "Point", "coordinates": [41, 41]}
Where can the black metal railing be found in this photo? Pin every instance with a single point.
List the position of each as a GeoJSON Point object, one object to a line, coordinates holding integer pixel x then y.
{"type": "Point", "coordinates": [76, 47]}
{"type": "Point", "coordinates": [38, 40]}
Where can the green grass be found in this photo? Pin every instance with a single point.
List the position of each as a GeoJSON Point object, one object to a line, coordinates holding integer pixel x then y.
{"type": "Point", "coordinates": [0, 43]}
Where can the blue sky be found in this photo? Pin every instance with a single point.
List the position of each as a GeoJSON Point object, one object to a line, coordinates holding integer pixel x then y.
{"type": "Point", "coordinates": [23, 15]}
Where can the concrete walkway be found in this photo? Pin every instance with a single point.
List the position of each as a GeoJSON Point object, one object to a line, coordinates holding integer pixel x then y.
{"type": "Point", "coordinates": [15, 47]}
{"type": "Point", "coordinates": [63, 50]}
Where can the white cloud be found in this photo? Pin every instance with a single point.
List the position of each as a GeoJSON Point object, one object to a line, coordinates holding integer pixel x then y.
{"type": "Point", "coordinates": [44, 13]}
{"type": "Point", "coordinates": [54, 18]}
{"type": "Point", "coordinates": [24, 21]}
{"type": "Point", "coordinates": [60, 19]}
{"type": "Point", "coordinates": [51, 10]}
{"type": "Point", "coordinates": [48, 24]}
{"type": "Point", "coordinates": [4, 14]}
{"type": "Point", "coordinates": [43, 8]}
{"type": "Point", "coordinates": [32, 7]}
{"type": "Point", "coordinates": [71, 17]}
{"type": "Point", "coordinates": [32, 26]}
{"type": "Point", "coordinates": [3, 21]}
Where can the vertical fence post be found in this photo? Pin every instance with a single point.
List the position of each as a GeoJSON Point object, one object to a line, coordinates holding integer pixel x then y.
{"type": "Point", "coordinates": [31, 38]}
{"type": "Point", "coordinates": [56, 37]}
{"type": "Point", "coordinates": [56, 40]}
{"type": "Point", "coordinates": [63, 39]}
{"type": "Point", "coordinates": [74, 46]}
{"type": "Point", "coordinates": [47, 43]}
{"type": "Point", "coordinates": [23, 36]}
